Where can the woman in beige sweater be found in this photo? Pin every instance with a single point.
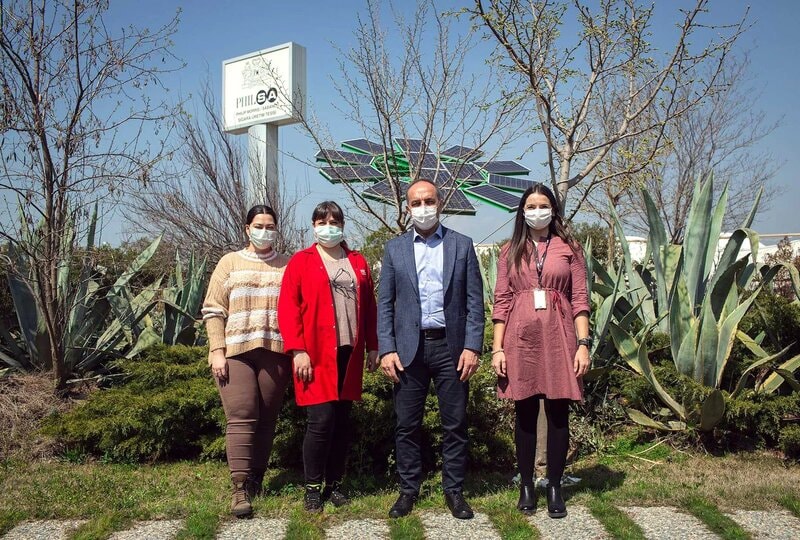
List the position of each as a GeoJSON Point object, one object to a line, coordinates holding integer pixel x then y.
{"type": "Point", "coordinates": [246, 352]}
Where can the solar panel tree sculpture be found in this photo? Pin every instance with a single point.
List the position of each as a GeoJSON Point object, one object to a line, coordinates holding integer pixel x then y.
{"type": "Point", "coordinates": [420, 112]}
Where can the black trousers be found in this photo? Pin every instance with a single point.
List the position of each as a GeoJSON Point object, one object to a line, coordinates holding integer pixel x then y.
{"type": "Point", "coordinates": [327, 436]}
{"type": "Point", "coordinates": [433, 362]}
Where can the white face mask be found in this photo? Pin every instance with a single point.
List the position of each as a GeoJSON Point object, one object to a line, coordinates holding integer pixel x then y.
{"type": "Point", "coordinates": [538, 218]}
{"type": "Point", "coordinates": [425, 217]}
{"type": "Point", "coordinates": [263, 238]}
{"type": "Point", "coordinates": [328, 235]}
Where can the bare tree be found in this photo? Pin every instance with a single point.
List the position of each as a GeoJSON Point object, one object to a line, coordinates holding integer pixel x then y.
{"type": "Point", "coordinates": [83, 117]}
{"type": "Point", "coordinates": [421, 90]}
{"type": "Point", "coordinates": [202, 205]}
{"type": "Point", "coordinates": [718, 136]}
{"type": "Point", "coordinates": [613, 57]}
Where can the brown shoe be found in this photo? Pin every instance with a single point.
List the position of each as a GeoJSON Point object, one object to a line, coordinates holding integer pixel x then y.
{"type": "Point", "coordinates": [240, 505]}
{"type": "Point", "coordinates": [255, 484]}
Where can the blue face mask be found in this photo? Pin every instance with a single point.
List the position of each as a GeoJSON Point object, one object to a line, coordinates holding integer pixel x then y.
{"type": "Point", "coordinates": [328, 235]}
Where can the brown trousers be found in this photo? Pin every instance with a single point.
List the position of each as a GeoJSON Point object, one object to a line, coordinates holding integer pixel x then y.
{"type": "Point", "coordinates": [252, 396]}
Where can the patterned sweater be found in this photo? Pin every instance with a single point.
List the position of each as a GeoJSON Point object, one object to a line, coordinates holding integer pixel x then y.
{"type": "Point", "coordinates": [240, 309]}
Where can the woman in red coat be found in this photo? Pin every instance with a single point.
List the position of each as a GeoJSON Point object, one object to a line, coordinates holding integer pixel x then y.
{"type": "Point", "coordinates": [327, 317]}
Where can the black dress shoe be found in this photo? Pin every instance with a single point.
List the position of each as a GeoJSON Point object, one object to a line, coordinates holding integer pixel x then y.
{"type": "Point", "coordinates": [403, 505]}
{"type": "Point", "coordinates": [457, 505]}
{"type": "Point", "coordinates": [527, 499]}
{"type": "Point", "coordinates": [555, 502]}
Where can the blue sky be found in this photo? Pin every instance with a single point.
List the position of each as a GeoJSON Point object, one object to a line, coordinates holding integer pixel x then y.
{"type": "Point", "coordinates": [212, 31]}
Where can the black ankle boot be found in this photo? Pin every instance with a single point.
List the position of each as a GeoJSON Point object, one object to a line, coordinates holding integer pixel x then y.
{"type": "Point", "coordinates": [527, 499]}
{"type": "Point", "coordinates": [555, 502]}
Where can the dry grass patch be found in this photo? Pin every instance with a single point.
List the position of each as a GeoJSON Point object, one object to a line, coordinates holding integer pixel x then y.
{"type": "Point", "coordinates": [752, 481]}
{"type": "Point", "coordinates": [25, 400]}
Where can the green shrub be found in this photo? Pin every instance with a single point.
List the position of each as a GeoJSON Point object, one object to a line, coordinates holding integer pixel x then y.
{"type": "Point", "coordinates": [167, 407]}
{"type": "Point", "coordinates": [790, 441]}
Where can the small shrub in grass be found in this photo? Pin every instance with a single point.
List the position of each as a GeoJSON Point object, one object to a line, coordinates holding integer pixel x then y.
{"type": "Point", "coordinates": [789, 441]}
{"type": "Point", "coordinates": [166, 407]}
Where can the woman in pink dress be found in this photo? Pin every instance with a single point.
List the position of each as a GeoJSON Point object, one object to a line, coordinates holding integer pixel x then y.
{"type": "Point", "coordinates": [541, 336]}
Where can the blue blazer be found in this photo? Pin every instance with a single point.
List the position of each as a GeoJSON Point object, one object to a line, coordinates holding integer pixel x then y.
{"type": "Point", "coordinates": [399, 312]}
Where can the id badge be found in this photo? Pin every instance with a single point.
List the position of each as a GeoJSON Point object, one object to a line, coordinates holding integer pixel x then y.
{"type": "Point", "coordinates": [539, 299]}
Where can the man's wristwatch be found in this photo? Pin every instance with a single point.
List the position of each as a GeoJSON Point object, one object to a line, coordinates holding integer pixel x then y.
{"type": "Point", "coordinates": [586, 341]}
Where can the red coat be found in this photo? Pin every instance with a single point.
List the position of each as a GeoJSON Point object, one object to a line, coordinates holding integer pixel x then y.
{"type": "Point", "coordinates": [307, 322]}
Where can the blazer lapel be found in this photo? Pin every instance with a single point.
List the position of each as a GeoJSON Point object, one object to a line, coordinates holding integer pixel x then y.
{"type": "Point", "coordinates": [449, 258]}
{"type": "Point", "coordinates": [407, 253]}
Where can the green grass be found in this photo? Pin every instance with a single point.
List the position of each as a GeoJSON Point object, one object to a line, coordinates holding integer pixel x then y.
{"type": "Point", "coordinates": [510, 523]}
{"type": "Point", "coordinates": [406, 528]}
{"type": "Point", "coordinates": [614, 520]}
{"type": "Point", "coordinates": [791, 503]}
{"type": "Point", "coordinates": [715, 520]}
{"type": "Point", "coordinates": [112, 496]}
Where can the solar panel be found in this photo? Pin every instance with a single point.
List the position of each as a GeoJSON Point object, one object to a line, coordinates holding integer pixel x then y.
{"type": "Point", "coordinates": [503, 167]}
{"type": "Point", "coordinates": [465, 171]}
{"type": "Point", "coordinates": [349, 158]}
{"type": "Point", "coordinates": [495, 196]}
{"type": "Point", "coordinates": [382, 191]}
{"type": "Point", "coordinates": [510, 182]}
{"type": "Point", "coordinates": [457, 203]}
{"type": "Point", "coordinates": [351, 174]}
{"type": "Point", "coordinates": [420, 160]}
{"type": "Point", "coordinates": [441, 177]}
{"type": "Point", "coordinates": [462, 152]}
{"type": "Point", "coordinates": [411, 145]}
{"type": "Point", "coordinates": [365, 146]}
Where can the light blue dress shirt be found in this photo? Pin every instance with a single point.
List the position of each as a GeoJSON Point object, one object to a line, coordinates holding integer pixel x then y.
{"type": "Point", "coordinates": [429, 258]}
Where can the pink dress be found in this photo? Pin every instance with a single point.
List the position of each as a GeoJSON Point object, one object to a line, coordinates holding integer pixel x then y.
{"type": "Point", "coordinates": [540, 345]}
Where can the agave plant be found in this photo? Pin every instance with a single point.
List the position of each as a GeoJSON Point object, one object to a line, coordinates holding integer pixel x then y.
{"type": "Point", "coordinates": [181, 299]}
{"type": "Point", "coordinates": [695, 295]}
{"type": "Point", "coordinates": [99, 322]}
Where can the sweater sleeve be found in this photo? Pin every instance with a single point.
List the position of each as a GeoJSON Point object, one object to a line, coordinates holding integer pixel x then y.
{"type": "Point", "coordinates": [215, 306]}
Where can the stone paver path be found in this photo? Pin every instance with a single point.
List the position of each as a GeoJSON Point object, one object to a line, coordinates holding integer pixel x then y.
{"type": "Point", "coordinates": [43, 530]}
{"type": "Point", "coordinates": [774, 525]}
{"type": "Point", "coordinates": [441, 526]}
{"type": "Point", "coordinates": [578, 525]}
{"type": "Point", "coordinates": [165, 529]}
{"type": "Point", "coordinates": [374, 529]}
{"type": "Point", "coordinates": [656, 522]}
{"type": "Point", "coordinates": [665, 523]}
{"type": "Point", "coordinates": [246, 529]}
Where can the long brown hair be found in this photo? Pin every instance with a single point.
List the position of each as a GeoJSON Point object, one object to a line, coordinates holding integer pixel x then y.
{"type": "Point", "coordinates": [518, 248]}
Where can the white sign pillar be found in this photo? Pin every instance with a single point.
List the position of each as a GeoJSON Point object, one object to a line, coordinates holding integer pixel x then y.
{"type": "Point", "coordinates": [264, 187]}
{"type": "Point", "coordinates": [261, 91]}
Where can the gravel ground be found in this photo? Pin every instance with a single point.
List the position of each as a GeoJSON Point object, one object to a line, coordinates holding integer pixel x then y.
{"type": "Point", "coordinates": [43, 530]}
{"type": "Point", "coordinates": [246, 529]}
{"type": "Point", "coordinates": [152, 530]}
{"type": "Point", "coordinates": [775, 525]}
{"type": "Point", "coordinates": [656, 522]}
{"type": "Point", "coordinates": [359, 528]}
{"type": "Point", "coordinates": [578, 525]}
{"type": "Point", "coordinates": [665, 523]}
{"type": "Point", "coordinates": [446, 527]}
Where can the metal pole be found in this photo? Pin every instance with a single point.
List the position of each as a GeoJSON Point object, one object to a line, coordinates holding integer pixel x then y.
{"type": "Point", "coordinates": [264, 187]}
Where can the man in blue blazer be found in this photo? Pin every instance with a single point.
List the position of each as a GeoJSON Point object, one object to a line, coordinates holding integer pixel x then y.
{"type": "Point", "coordinates": [430, 327]}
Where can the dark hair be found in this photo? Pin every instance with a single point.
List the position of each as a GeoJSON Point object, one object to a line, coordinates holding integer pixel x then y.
{"type": "Point", "coordinates": [328, 208]}
{"type": "Point", "coordinates": [518, 248]}
{"type": "Point", "coordinates": [261, 209]}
